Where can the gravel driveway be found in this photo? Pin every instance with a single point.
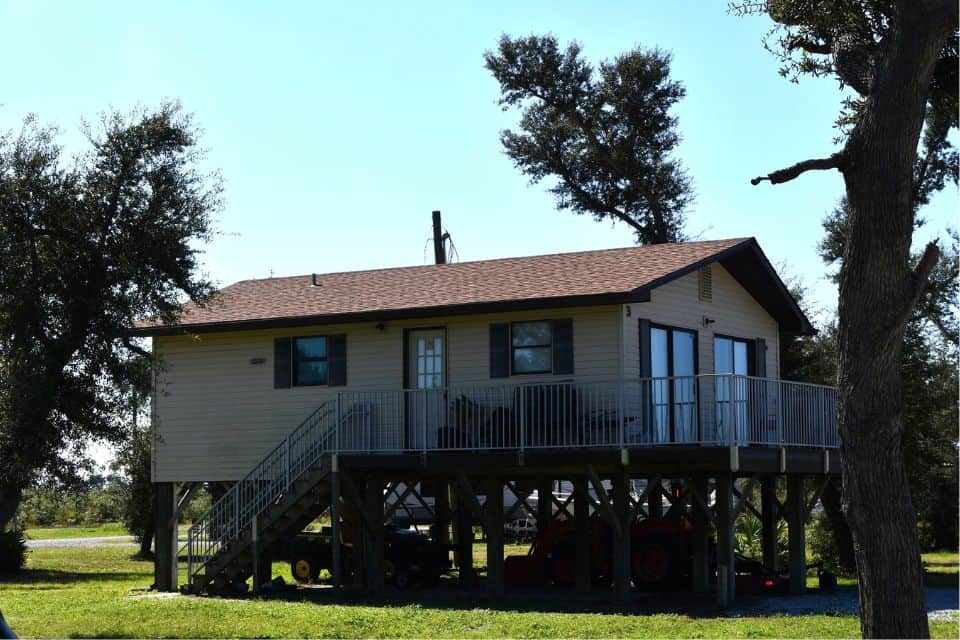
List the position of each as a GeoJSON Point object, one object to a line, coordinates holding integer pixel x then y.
{"type": "Point", "coordinates": [65, 543]}
{"type": "Point", "coordinates": [942, 604]}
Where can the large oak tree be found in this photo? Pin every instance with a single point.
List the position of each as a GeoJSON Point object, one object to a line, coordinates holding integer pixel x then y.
{"type": "Point", "coordinates": [605, 136]}
{"type": "Point", "coordinates": [88, 245]}
{"type": "Point", "coordinates": [900, 59]}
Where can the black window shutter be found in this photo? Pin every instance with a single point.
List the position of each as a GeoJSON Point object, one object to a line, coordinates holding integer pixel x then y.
{"type": "Point", "coordinates": [563, 347]}
{"type": "Point", "coordinates": [281, 363]}
{"type": "Point", "coordinates": [646, 366]}
{"type": "Point", "coordinates": [760, 358]}
{"type": "Point", "coordinates": [337, 360]}
{"type": "Point", "coordinates": [500, 350]}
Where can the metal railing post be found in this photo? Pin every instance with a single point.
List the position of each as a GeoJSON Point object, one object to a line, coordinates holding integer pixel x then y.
{"type": "Point", "coordinates": [338, 443]}
{"type": "Point", "coordinates": [523, 419]}
{"type": "Point", "coordinates": [423, 421]}
{"type": "Point", "coordinates": [286, 462]}
{"type": "Point", "coordinates": [620, 413]}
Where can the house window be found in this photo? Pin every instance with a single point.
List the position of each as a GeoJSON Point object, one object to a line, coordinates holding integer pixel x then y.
{"type": "Point", "coordinates": [532, 347]}
{"type": "Point", "coordinates": [310, 361]}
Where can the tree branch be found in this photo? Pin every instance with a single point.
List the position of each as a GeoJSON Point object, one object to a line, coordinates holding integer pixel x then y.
{"type": "Point", "coordinates": [920, 276]}
{"type": "Point", "coordinates": [810, 46]}
{"type": "Point", "coordinates": [945, 331]}
{"type": "Point", "coordinates": [834, 161]}
{"type": "Point", "coordinates": [137, 350]}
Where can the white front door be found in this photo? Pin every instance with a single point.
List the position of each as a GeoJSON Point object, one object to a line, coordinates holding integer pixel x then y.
{"type": "Point", "coordinates": [426, 379]}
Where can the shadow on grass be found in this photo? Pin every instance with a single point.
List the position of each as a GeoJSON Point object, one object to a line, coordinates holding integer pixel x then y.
{"type": "Point", "coordinates": [34, 576]}
{"type": "Point", "coordinates": [546, 600]}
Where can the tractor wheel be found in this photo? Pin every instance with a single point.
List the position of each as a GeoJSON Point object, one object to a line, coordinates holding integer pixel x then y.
{"type": "Point", "coordinates": [389, 571]}
{"type": "Point", "coordinates": [654, 561]}
{"type": "Point", "coordinates": [401, 580]}
{"type": "Point", "coordinates": [302, 570]}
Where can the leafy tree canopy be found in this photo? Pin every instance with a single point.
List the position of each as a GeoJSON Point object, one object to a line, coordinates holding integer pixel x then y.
{"type": "Point", "coordinates": [88, 245]}
{"type": "Point", "coordinates": [605, 135]}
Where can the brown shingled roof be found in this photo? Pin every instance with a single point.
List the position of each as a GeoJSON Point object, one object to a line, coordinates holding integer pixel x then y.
{"type": "Point", "coordinates": [587, 277]}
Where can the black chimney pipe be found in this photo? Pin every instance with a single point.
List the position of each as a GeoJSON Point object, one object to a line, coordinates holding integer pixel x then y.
{"type": "Point", "coordinates": [439, 250]}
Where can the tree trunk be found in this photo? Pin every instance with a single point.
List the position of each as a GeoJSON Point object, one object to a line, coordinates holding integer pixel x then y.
{"type": "Point", "coordinates": [146, 541]}
{"type": "Point", "coordinates": [877, 290]}
{"type": "Point", "coordinates": [10, 498]}
{"type": "Point", "coordinates": [833, 508]}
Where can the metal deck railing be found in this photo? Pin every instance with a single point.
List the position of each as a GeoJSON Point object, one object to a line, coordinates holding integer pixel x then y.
{"type": "Point", "coordinates": [710, 409]}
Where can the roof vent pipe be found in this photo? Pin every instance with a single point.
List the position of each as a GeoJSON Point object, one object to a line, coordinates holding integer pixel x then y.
{"type": "Point", "coordinates": [439, 245]}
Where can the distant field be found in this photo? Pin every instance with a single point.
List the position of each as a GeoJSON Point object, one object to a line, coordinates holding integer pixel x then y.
{"type": "Point", "coordinates": [92, 531]}
{"type": "Point", "coordinates": [102, 592]}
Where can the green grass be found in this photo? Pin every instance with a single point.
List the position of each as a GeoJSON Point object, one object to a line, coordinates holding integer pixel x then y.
{"type": "Point", "coordinates": [91, 531]}
{"type": "Point", "coordinates": [101, 592]}
{"type": "Point", "coordinates": [941, 569]}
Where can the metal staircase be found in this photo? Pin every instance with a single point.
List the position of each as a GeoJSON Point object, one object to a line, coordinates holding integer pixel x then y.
{"type": "Point", "coordinates": [277, 499]}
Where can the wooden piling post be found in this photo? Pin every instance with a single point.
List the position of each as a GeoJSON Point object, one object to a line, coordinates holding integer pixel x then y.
{"type": "Point", "coordinates": [494, 511]}
{"type": "Point", "coordinates": [373, 537]}
{"type": "Point", "coordinates": [336, 549]}
{"type": "Point", "coordinates": [700, 571]}
{"type": "Point", "coordinates": [769, 517]}
{"type": "Point", "coordinates": [544, 502]}
{"type": "Point", "coordinates": [796, 519]}
{"type": "Point", "coordinates": [621, 538]}
{"type": "Point", "coordinates": [726, 563]}
{"type": "Point", "coordinates": [581, 526]}
{"type": "Point", "coordinates": [164, 497]}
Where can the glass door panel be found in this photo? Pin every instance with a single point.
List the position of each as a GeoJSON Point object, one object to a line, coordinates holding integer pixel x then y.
{"type": "Point", "coordinates": [673, 388]}
{"type": "Point", "coordinates": [731, 357]}
{"type": "Point", "coordinates": [660, 370]}
{"type": "Point", "coordinates": [684, 386]}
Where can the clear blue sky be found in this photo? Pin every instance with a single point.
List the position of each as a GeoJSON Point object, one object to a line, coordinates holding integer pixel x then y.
{"type": "Point", "coordinates": [339, 127]}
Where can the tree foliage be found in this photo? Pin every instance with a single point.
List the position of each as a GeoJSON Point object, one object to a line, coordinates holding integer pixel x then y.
{"type": "Point", "coordinates": [134, 460]}
{"type": "Point", "coordinates": [606, 135]}
{"type": "Point", "coordinates": [88, 245]}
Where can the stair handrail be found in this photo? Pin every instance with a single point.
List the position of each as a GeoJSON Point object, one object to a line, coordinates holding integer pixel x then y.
{"type": "Point", "coordinates": [260, 487]}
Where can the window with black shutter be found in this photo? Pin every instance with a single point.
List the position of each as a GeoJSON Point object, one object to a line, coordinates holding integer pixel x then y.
{"type": "Point", "coordinates": [310, 361]}
{"type": "Point", "coordinates": [531, 347]}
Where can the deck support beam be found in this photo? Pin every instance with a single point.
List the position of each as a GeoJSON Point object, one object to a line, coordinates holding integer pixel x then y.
{"type": "Point", "coordinates": [441, 502]}
{"type": "Point", "coordinates": [726, 563]}
{"type": "Point", "coordinates": [373, 547]}
{"type": "Point", "coordinates": [769, 516]}
{"type": "Point", "coordinates": [655, 497]}
{"type": "Point", "coordinates": [544, 502]}
{"type": "Point", "coordinates": [164, 539]}
{"type": "Point", "coordinates": [336, 562]}
{"type": "Point", "coordinates": [700, 571]}
{"type": "Point", "coordinates": [494, 518]}
{"type": "Point", "coordinates": [796, 519]}
{"type": "Point", "coordinates": [581, 527]}
{"type": "Point", "coordinates": [621, 537]}
{"type": "Point", "coordinates": [463, 537]}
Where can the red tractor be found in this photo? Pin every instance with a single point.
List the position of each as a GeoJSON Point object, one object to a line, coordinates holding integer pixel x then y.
{"type": "Point", "coordinates": [660, 554]}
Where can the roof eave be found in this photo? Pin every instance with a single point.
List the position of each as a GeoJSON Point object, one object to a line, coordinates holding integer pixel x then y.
{"type": "Point", "coordinates": [637, 295]}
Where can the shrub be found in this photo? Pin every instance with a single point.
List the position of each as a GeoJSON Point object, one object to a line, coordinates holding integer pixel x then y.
{"type": "Point", "coordinates": [13, 551]}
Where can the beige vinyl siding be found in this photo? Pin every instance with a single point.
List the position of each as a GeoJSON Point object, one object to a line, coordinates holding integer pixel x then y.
{"type": "Point", "coordinates": [216, 414]}
{"type": "Point", "coordinates": [734, 311]}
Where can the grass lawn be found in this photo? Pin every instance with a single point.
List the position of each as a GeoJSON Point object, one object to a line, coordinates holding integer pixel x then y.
{"type": "Point", "coordinates": [101, 592]}
{"type": "Point", "coordinates": [91, 531]}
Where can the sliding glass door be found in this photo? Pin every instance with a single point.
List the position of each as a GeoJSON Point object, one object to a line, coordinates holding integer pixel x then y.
{"type": "Point", "coordinates": [673, 363]}
{"type": "Point", "coordinates": [731, 356]}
